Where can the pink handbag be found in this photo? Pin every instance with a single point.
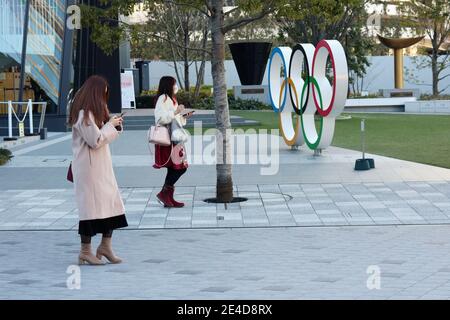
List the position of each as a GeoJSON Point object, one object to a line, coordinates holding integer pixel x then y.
{"type": "Point", "coordinates": [178, 155]}
{"type": "Point", "coordinates": [159, 135]}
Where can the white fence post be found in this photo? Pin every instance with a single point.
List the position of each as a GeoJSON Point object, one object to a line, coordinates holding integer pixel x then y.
{"type": "Point", "coordinates": [10, 119]}
{"type": "Point", "coordinates": [30, 111]}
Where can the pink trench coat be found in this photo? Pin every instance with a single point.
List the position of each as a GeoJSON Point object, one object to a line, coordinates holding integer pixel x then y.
{"type": "Point", "coordinates": [96, 191]}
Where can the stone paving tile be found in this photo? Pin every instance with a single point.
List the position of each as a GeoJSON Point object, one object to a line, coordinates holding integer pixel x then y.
{"type": "Point", "coordinates": [273, 205]}
{"type": "Point", "coordinates": [324, 263]}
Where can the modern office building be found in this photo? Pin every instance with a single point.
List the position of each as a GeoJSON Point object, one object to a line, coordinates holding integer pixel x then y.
{"type": "Point", "coordinates": [37, 46]}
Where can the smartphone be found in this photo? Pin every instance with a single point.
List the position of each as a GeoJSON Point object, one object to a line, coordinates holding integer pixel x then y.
{"type": "Point", "coordinates": [186, 112]}
{"type": "Point", "coordinates": [119, 128]}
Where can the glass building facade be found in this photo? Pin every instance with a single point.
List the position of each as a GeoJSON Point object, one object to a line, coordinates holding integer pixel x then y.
{"type": "Point", "coordinates": [52, 58]}
{"type": "Point", "coordinates": [44, 47]}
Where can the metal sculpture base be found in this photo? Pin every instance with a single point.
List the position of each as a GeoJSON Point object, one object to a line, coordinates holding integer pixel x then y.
{"type": "Point", "coordinates": [364, 164]}
{"type": "Point", "coordinates": [317, 152]}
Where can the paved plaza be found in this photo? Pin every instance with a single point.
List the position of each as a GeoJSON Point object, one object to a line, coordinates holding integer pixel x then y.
{"type": "Point", "coordinates": [285, 205]}
{"type": "Point", "coordinates": [314, 229]}
{"type": "Point", "coordinates": [273, 263]}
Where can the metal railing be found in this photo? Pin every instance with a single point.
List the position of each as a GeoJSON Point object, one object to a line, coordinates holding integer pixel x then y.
{"type": "Point", "coordinates": [21, 121]}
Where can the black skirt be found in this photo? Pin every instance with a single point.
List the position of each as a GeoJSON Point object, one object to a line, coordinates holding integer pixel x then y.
{"type": "Point", "coordinates": [92, 227]}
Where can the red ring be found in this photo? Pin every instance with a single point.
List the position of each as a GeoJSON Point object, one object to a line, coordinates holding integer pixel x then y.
{"type": "Point", "coordinates": [324, 112]}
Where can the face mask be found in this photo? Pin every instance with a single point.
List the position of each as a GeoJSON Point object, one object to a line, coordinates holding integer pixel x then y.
{"type": "Point", "coordinates": [175, 89]}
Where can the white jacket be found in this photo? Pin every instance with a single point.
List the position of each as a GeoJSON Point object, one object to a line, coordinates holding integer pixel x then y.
{"type": "Point", "coordinates": [165, 115]}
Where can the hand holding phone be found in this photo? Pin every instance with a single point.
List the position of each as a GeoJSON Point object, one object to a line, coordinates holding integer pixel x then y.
{"type": "Point", "coordinates": [187, 113]}
{"type": "Point", "coordinates": [119, 118]}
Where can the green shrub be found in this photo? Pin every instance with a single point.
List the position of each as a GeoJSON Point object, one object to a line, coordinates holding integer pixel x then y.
{"type": "Point", "coordinates": [187, 98]}
{"type": "Point", "coordinates": [5, 156]}
{"type": "Point", "coordinates": [234, 104]}
{"type": "Point", "coordinates": [205, 100]}
{"type": "Point", "coordinates": [149, 92]}
{"type": "Point", "coordinates": [5, 152]}
{"type": "Point", "coordinates": [239, 104]}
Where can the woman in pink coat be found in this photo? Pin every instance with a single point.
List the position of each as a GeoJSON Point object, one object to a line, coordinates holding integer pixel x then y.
{"type": "Point", "coordinates": [100, 205]}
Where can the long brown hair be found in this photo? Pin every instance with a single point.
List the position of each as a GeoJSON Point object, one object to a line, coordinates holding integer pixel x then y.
{"type": "Point", "coordinates": [166, 85]}
{"type": "Point", "coordinates": [92, 96]}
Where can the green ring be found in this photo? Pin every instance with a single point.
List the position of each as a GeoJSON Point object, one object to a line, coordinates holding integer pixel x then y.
{"type": "Point", "coordinates": [314, 145]}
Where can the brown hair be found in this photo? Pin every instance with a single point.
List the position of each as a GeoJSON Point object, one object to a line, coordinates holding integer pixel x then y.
{"type": "Point", "coordinates": [91, 97]}
{"type": "Point", "coordinates": [166, 84]}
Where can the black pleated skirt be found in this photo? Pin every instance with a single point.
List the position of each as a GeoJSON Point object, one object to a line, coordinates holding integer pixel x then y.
{"type": "Point", "coordinates": [92, 227]}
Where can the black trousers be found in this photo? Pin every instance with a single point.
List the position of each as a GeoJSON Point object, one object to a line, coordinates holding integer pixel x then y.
{"type": "Point", "coordinates": [173, 175]}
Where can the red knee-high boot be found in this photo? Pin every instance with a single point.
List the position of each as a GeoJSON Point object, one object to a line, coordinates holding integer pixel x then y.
{"type": "Point", "coordinates": [164, 197]}
{"type": "Point", "coordinates": [175, 203]}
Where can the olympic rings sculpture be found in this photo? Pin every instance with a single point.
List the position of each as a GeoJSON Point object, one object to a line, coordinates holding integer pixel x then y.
{"type": "Point", "coordinates": [298, 83]}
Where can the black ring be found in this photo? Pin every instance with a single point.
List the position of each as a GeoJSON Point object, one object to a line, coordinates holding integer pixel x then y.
{"type": "Point", "coordinates": [303, 108]}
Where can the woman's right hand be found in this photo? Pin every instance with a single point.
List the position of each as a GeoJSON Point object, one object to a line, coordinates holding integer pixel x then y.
{"type": "Point", "coordinates": [116, 121]}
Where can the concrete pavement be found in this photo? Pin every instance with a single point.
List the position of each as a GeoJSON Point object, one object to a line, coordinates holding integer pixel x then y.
{"type": "Point", "coordinates": [406, 262]}
{"type": "Point", "coordinates": [313, 229]}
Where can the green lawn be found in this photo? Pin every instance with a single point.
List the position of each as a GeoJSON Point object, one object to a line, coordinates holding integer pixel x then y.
{"type": "Point", "coordinates": [419, 138]}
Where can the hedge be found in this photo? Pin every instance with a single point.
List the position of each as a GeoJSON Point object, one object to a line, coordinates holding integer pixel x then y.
{"type": "Point", "coordinates": [5, 156]}
{"type": "Point", "coordinates": [205, 101]}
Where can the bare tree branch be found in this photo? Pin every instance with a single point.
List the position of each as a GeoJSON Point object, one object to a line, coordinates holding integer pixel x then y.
{"type": "Point", "coordinates": [189, 5]}
{"type": "Point", "coordinates": [176, 44]}
{"type": "Point", "coordinates": [240, 22]}
{"type": "Point", "coordinates": [442, 78]}
{"type": "Point", "coordinates": [440, 91]}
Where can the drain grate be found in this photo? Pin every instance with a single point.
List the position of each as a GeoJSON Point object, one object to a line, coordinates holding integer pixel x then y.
{"type": "Point", "coordinates": [286, 196]}
{"type": "Point", "coordinates": [235, 200]}
{"type": "Point", "coordinates": [54, 160]}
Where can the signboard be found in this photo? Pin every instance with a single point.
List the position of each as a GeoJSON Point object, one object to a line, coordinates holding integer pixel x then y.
{"type": "Point", "coordinates": [127, 89]}
{"type": "Point", "coordinates": [21, 129]}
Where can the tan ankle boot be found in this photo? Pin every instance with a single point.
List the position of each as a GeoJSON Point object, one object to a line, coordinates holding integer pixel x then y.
{"type": "Point", "coordinates": [105, 250]}
{"type": "Point", "coordinates": [87, 257]}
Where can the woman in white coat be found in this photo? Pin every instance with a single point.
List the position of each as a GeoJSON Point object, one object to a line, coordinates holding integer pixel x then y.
{"type": "Point", "coordinates": [98, 198]}
{"type": "Point", "coordinates": [169, 113]}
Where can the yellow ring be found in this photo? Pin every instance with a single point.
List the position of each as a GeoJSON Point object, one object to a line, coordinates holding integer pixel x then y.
{"type": "Point", "coordinates": [297, 122]}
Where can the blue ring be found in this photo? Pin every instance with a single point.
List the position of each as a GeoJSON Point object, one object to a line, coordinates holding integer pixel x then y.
{"type": "Point", "coordinates": [275, 51]}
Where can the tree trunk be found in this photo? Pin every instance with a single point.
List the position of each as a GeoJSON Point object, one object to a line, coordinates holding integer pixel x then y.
{"type": "Point", "coordinates": [224, 185]}
{"type": "Point", "coordinates": [435, 73]}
